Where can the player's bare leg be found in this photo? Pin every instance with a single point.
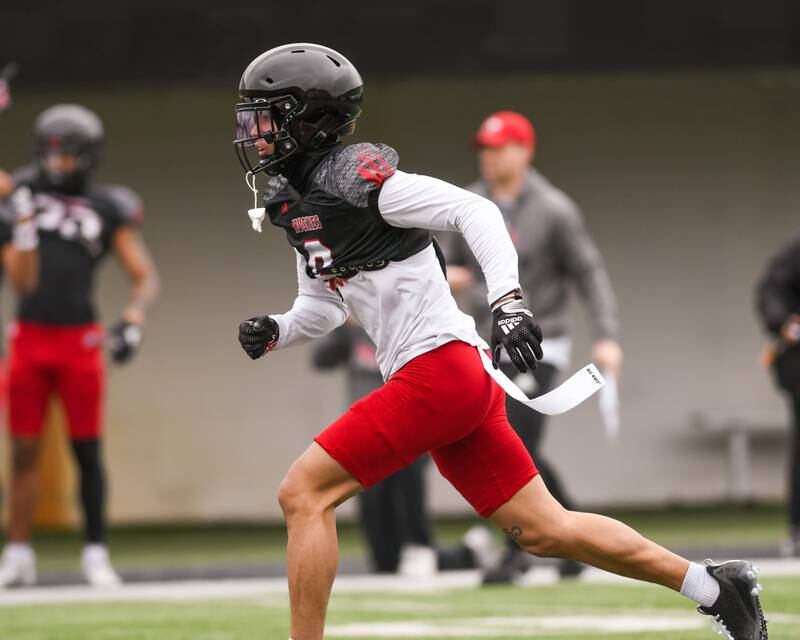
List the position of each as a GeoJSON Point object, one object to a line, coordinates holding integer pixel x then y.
{"type": "Point", "coordinates": [312, 488]}
{"type": "Point", "coordinates": [23, 489]}
{"type": "Point", "coordinates": [18, 562]}
{"type": "Point", "coordinates": [727, 592]}
{"type": "Point", "coordinates": [543, 527]}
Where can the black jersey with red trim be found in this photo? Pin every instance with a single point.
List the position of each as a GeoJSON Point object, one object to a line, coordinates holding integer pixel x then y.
{"type": "Point", "coordinates": [329, 211]}
{"type": "Point", "coordinates": [75, 234]}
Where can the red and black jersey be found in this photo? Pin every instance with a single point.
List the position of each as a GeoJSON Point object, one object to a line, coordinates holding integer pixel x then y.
{"type": "Point", "coordinates": [75, 233]}
{"type": "Point", "coordinates": [330, 214]}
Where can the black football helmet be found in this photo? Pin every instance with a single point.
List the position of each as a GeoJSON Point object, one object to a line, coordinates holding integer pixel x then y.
{"type": "Point", "coordinates": [68, 129]}
{"type": "Point", "coordinates": [297, 97]}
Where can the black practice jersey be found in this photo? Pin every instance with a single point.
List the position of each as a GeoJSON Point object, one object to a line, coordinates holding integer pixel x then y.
{"type": "Point", "coordinates": [330, 215]}
{"type": "Point", "coordinates": [75, 233]}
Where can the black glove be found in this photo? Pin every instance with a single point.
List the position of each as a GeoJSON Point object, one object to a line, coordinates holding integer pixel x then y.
{"type": "Point", "coordinates": [124, 339]}
{"type": "Point", "coordinates": [514, 328]}
{"type": "Point", "coordinates": [258, 335]}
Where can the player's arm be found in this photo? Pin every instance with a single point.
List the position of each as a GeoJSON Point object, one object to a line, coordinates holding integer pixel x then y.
{"type": "Point", "coordinates": [6, 184]}
{"type": "Point", "coordinates": [125, 211]}
{"type": "Point", "coordinates": [317, 310]}
{"type": "Point", "coordinates": [135, 260]}
{"type": "Point", "coordinates": [581, 258]}
{"type": "Point", "coordinates": [408, 200]}
{"type": "Point", "coordinates": [414, 201]}
{"type": "Point", "coordinates": [20, 240]}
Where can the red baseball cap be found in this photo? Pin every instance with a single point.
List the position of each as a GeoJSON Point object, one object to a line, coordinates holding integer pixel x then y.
{"type": "Point", "coordinates": [504, 127]}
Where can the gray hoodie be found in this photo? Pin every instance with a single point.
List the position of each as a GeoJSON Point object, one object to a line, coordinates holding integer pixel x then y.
{"type": "Point", "coordinates": [555, 250]}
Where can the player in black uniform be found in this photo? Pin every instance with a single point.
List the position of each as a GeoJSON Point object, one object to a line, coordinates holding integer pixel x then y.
{"type": "Point", "coordinates": [360, 229]}
{"type": "Point", "coordinates": [57, 343]}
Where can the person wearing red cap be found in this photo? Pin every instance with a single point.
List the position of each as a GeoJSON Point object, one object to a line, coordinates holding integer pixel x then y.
{"type": "Point", "coordinates": [778, 307]}
{"type": "Point", "coordinates": [555, 254]}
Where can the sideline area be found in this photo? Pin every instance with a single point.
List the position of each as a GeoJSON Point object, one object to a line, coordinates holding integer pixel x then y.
{"type": "Point", "coordinates": [238, 589]}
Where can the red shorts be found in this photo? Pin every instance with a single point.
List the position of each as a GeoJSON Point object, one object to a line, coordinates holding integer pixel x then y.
{"type": "Point", "coordinates": [67, 360]}
{"type": "Point", "coordinates": [443, 402]}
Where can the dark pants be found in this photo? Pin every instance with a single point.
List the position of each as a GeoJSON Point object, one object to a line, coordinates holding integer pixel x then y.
{"type": "Point", "coordinates": [794, 468]}
{"type": "Point", "coordinates": [529, 425]}
{"type": "Point", "coordinates": [393, 513]}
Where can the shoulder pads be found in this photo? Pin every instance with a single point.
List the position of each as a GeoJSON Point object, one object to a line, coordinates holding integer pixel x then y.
{"type": "Point", "coordinates": [24, 175]}
{"type": "Point", "coordinates": [355, 171]}
{"type": "Point", "coordinates": [126, 203]}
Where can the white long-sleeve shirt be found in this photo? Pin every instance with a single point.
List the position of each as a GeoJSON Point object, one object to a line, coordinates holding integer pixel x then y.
{"type": "Point", "coordinates": [406, 308]}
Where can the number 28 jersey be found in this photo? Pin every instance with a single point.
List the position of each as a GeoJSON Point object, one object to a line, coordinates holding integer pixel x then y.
{"type": "Point", "coordinates": [75, 234]}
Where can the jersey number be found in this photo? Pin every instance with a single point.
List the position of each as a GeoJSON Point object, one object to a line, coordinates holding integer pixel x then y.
{"type": "Point", "coordinates": [76, 222]}
{"type": "Point", "coordinates": [319, 256]}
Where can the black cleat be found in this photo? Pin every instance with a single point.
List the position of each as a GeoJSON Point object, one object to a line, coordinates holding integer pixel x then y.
{"type": "Point", "coordinates": [570, 569]}
{"type": "Point", "coordinates": [737, 613]}
{"type": "Point", "coordinates": [511, 568]}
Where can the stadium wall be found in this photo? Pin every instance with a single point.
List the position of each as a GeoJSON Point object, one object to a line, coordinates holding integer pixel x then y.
{"type": "Point", "coordinates": [687, 180]}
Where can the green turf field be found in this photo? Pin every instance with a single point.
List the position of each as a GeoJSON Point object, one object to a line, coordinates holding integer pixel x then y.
{"type": "Point", "coordinates": [231, 545]}
{"type": "Point", "coordinates": [563, 612]}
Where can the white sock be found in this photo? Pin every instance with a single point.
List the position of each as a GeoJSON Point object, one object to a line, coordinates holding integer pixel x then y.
{"type": "Point", "coordinates": [19, 549]}
{"type": "Point", "coordinates": [94, 547]}
{"type": "Point", "coordinates": [699, 585]}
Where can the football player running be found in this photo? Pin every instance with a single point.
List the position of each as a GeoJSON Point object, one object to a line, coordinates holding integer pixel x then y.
{"type": "Point", "coordinates": [57, 343]}
{"type": "Point", "coordinates": [360, 228]}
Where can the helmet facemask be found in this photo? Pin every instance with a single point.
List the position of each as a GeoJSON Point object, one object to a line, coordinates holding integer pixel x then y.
{"type": "Point", "coordinates": [51, 155]}
{"type": "Point", "coordinates": [293, 128]}
{"type": "Point", "coordinates": [301, 98]}
{"type": "Point", "coordinates": [268, 120]}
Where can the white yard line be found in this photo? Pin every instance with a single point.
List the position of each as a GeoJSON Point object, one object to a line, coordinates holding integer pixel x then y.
{"type": "Point", "coordinates": [516, 627]}
{"type": "Point", "coordinates": [530, 626]}
{"type": "Point", "coordinates": [276, 587]}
